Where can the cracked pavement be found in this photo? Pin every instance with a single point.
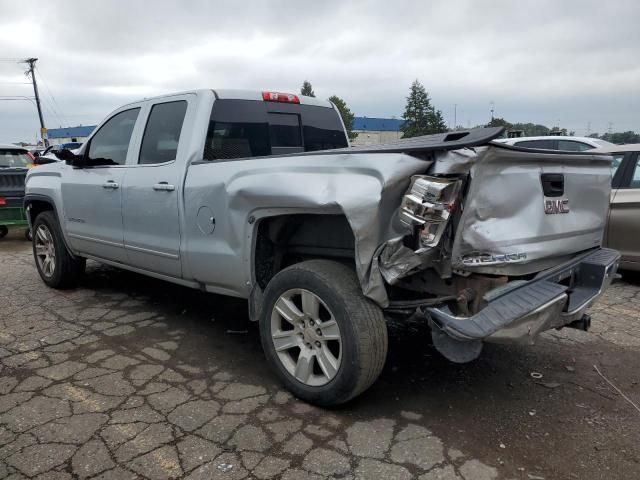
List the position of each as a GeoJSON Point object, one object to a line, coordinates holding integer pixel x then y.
{"type": "Point", "coordinates": [129, 377]}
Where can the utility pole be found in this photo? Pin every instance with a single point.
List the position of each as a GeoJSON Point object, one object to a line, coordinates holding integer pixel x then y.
{"type": "Point", "coordinates": [43, 131]}
{"type": "Point", "coordinates": [455, 116]}
{"type": "Point", "coordinates": [492, 104]}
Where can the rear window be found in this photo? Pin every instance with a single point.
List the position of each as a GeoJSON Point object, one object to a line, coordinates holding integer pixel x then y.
{"type": "Point", "coordinates": [10, 158]}
{"type": "Point", "coordinates": [249, 128]}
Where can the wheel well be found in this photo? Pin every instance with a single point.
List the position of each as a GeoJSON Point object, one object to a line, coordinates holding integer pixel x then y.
{"type": "Point", "coordinates": [287, 239]}
{"type": "Point", "coordinates": [37, 207]}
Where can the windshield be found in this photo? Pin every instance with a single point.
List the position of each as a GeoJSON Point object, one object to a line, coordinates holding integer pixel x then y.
{"type": "Point", "coordinates": [14, 159]}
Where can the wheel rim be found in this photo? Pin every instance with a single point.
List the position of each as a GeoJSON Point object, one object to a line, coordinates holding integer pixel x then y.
{"type": "Point", "coordinates": [45, 251]}
{"type": "Point", "coordinates": [306, 337]}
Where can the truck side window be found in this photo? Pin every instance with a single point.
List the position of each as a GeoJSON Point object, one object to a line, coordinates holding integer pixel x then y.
{"type": "Point", "coordinates": [162, 133]}
{"type": "Point", "coordinates": [110, 144]}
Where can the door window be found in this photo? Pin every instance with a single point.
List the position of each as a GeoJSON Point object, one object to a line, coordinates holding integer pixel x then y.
{"type": "Point", "coordinates": [110, 144]}
{"type": "Point", "coordinates": [635, 179]}
{"type": "Point", "coordinates": [573, 146]}
{"type": "Point", "coordinates": [542, 144]}
{"type": "Point", "coordinates": [162, 133]}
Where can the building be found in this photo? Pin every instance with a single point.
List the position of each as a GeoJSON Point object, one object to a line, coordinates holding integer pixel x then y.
{"type": "Point", "coordinates": [69, 134]}
{"type": "Point", "coordinates": [372, 130]}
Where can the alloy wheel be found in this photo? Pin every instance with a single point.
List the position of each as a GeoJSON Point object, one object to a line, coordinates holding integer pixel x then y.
{"type": "Point", "coordinates": [45, 251]}
{"type": "Point", "coordinates": [306, 337]}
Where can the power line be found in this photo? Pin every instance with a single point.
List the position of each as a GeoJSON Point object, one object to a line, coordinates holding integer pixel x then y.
{"type": "Point", "coordinates": [53, 99]}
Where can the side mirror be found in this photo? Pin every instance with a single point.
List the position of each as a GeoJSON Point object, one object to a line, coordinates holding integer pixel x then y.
{"type": "Point", "coordinates": [36, 154]}
{"type": "Point", "coordinates": [70, 158]}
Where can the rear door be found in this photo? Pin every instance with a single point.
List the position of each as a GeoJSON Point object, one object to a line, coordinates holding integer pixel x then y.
{"type": "Point", "coordinates": [623, 230]}
{"type": "Point", "coordinates": [153, 187]}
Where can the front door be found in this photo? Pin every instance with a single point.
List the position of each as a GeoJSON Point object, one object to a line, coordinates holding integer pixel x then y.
{"type": "Point", "coordinates": [152, 190]}
{"type": "Point", "coordinates": [92, 195]}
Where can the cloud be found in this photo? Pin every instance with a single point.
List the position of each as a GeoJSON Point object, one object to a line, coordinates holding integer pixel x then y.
{"type": "Point", "coordinates": [569, 62]}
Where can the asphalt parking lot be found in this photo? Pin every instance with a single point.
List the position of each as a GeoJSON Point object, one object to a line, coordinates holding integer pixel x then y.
{"type": "Point", "coordinates": [129, 377]}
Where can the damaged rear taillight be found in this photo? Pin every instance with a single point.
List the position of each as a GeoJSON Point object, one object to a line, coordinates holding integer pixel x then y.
{"type": "Point", "coordinates": [428, 205]}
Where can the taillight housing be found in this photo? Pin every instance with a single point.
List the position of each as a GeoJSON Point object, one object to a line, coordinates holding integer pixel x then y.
{"type": "Point", "coordinates": [428, 205]}
{"type": "Point", "coordinates": [3, 201]}
{"type": "Point", "coordinates": [280, 97]}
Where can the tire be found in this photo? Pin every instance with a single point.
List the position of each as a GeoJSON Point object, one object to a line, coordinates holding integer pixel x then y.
{"type": "Point", "coordinates": [27, 235]}
{"type": "Point", "coordinates": [340, 369]}
{"type": "Point", "coordinates": [65, 271]}
{"type": "Point", "coordinates": [4, 230]}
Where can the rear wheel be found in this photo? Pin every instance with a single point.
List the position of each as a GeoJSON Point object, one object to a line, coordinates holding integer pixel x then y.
{"type": "Point", "coordinates": [3, 231]}
{"type": "Point", "coordinates": [324, 339]}
{"type": "Point", "coordinates": [56, 266]}
{"type": "Point", "coordinates": [27, 234]}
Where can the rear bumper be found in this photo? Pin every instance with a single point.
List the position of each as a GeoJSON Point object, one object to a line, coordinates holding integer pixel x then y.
{"type": "Point", "coordinates": [553, 299]}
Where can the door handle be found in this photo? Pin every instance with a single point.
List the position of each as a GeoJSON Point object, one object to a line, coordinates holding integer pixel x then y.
{"type": "Point", "coordinates": [110, 184]}
{"type": "Point", "coordinates": [164, 186]}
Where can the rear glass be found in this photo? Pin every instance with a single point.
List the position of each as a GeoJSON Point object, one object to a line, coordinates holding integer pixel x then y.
{"type": "Point", "coordinates": [14, 159]}
{"type": "Point", "coordinates": [249, 128]}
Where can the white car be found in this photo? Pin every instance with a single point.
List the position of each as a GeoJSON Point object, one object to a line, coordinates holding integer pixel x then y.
{"type": "Point", "coordinates": [572, 144]}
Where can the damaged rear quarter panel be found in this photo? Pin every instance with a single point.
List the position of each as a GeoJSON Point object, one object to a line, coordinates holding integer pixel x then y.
{"type": "Point", "coordinates": [366, 188]}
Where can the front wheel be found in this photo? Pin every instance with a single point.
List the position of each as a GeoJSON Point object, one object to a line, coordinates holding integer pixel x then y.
{"type": "Point", "coordinates": [326, 341]}
{"type": "Point", "coordinates": [56, 266]}
{"type": "Point", "coordinates": [3, 231]}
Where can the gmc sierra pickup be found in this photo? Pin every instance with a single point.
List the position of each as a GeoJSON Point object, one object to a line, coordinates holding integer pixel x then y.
{"type": "Point", "coordinates": [258, 195]}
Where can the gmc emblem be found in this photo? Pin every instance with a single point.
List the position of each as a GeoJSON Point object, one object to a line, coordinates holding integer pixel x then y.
{"type": "Point", "coordinates": [553, 207]}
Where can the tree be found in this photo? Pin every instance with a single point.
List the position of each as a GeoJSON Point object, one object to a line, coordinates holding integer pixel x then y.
{"type": "Point", "coordinates": [499, 122]}
{"type": "Point", "coordinates": [421, 118]}
{"type": "Point", "coordinates": [345, 113]}
{"type": "Point", "coordinates": [307, 89]}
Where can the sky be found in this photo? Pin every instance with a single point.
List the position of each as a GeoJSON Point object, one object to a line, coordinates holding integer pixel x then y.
{"type": "Point", "coordinates": [575, 64]}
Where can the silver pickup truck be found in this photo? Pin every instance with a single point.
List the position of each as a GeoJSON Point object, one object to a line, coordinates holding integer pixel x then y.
{"type": "Point", "coordinates": [258, 195]}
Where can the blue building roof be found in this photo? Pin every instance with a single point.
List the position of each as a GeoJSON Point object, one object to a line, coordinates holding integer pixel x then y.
{"type": "Point", "coordinates": [377, 124]}
{"type": "Point", "coordinates": [82, 131]}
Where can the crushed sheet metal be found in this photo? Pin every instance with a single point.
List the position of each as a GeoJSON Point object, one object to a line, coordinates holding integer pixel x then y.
{"type": "Point", "coordinates": [456, 161]}
{"type": "Point", "coordinates": [366, 188]}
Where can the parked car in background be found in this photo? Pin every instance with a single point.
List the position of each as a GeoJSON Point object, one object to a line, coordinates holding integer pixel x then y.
{"type": "Point", "coordinates": [570, 144]}
{"type": "Point", "coordinates": [623, 227]}
{"type": "Point", "coordinates": [14, 163]}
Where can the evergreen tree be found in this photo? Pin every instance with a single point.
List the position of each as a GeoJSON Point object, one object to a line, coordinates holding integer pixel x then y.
{"type": "Point", "coordinates": [421, 118]}
{"type": "Point", "coordinates": [438, 124]}
{"type": "Point", "coordinates": [307, 89]}
{"type": "Point", "coordinates": [345, 113]}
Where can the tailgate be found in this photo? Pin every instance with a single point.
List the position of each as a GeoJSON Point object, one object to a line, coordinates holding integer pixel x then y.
{"type": "Point", "coordinates": [525, 210]}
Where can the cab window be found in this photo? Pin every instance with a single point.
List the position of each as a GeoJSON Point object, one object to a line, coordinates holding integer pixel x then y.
{"type": "Point", "coordinates": [110, 144]}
